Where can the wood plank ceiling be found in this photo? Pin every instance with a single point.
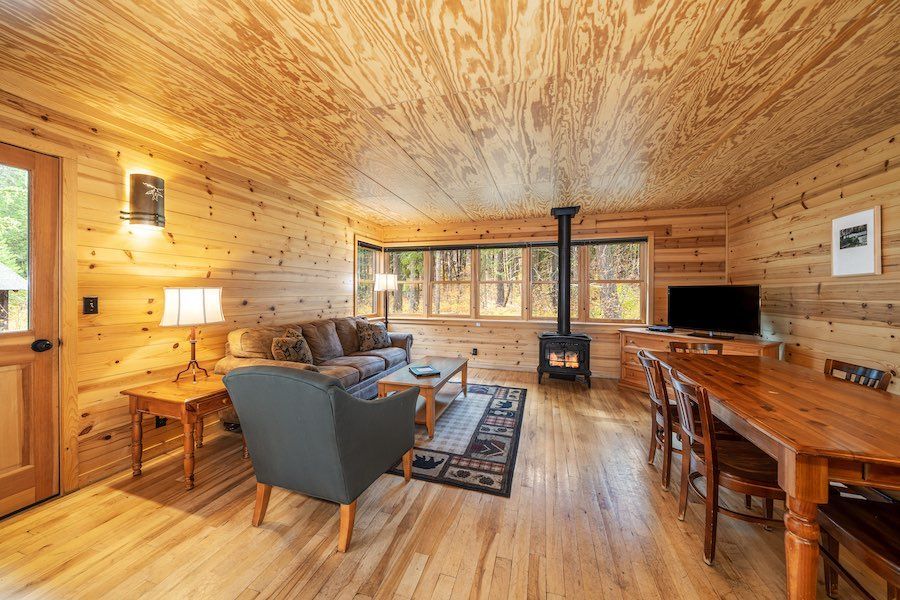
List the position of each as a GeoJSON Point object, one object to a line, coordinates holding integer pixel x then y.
{"type": "Point", "coordinates": [410, 111]}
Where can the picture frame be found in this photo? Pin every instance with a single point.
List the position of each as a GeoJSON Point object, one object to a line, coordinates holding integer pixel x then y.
{"type": "Point", "coordinates": [856, 244]}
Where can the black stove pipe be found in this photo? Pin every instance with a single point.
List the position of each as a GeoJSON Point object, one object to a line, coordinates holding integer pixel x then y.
{"type": "Point", "coordinates": [563, 217]}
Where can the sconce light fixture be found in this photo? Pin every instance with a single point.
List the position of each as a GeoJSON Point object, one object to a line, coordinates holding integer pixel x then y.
{"type": "Point", "coordinates": [147, 202]}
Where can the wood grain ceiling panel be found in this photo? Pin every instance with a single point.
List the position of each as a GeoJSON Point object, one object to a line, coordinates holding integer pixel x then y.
{"type": "Point", "coordinates": [413, 112]}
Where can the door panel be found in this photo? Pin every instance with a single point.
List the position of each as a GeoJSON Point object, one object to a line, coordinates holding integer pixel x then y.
{"type": "Point", "coordinates": [29, 409]}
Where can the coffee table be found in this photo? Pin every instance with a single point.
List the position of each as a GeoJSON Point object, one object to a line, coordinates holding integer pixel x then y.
{"type": "Point", "coordinates": [429, 387]}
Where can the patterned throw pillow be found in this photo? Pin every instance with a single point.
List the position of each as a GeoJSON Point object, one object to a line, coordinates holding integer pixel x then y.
{"type": "Point", "coordinates": [292, 348]}
{"type": "Point", "coordinates": [372, 336]}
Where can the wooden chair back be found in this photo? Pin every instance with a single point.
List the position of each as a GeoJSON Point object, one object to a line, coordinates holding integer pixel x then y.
{"type": "Point", "coordinates": [694, 415]}
{"type": "Point", "coordinates": [696, 347]}
{"type": "Point", "coordinates": [866, 376]}
{"type": "Point", "coordinates": [656, 385]}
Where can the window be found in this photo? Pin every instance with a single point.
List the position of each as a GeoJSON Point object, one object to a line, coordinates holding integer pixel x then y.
{"type": "Point", "coordinates": [409, 267]}
{"type": "Point", "coordinates": [544, 278]}
{"type": "Point", "coordinates": [608, 281]}
{"type": "Point", "coordinates": [451, 287]}
{"type": "Point", "coordinates": [615, 272]}
{"type": "Point", "coordinates": [14, 193]}
{"type": "Point", "coordinates": [366, 266]}
{"type": "Point", "coordinates": [500, 282]}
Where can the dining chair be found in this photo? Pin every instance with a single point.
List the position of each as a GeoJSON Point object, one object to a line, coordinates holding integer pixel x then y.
{"type": "Point", "coordinates": [867, 376]}
{"type": "Point", "coordinates": [696, 347]}
{"type": "Point", "coordinates": [729, 462]}
{"type": "Point", "coordinates": [860, 526]}
{"type": "Point", "coordinates": [662, 415]}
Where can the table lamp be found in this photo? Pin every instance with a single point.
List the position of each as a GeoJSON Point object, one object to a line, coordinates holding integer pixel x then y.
{"type": "Point", "coordinates": [189, 307]}
{"type": "Point", "coordinates": [385, 282]}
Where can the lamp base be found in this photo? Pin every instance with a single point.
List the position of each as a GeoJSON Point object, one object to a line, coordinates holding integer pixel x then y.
{"type": "Point", "coordinates": [193, 366]}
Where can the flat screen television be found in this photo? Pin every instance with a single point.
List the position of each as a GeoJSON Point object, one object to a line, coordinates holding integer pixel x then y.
{"type": "Point", "coordinates": [715, 308]}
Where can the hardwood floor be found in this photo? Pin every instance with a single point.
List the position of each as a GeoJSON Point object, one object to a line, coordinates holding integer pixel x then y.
{"type": "Point", "coordinates": [587, 519]}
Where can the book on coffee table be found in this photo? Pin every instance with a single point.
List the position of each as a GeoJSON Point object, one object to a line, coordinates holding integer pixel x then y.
{"type": "Point", "coordinates": [424, 371]}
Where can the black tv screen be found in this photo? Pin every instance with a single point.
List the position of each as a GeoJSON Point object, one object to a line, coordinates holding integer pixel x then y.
{"type": "Point", "coordinates": [718, 308]}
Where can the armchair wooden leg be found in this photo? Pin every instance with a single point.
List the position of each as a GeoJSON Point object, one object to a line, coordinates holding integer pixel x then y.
{"type": "Point", "coordinates": [348, 514]}
{"type": "Point", "coordinates": [263, 492]}
{"type": "Point", "coordinates": [407, 465]}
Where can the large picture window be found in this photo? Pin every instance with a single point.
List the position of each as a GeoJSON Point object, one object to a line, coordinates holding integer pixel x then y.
{"type": "Point", "coordinates": [366, 267]}
{"type": "Point", "coordinates": [616, 284]}
{"type": "Point", "coordinates": [609, 281]}
{"type": "Point", "coordinates": [544, 282]}
{"type": "Point", "coordinates": [451, 282]}
{"type": "Point", "coordinates": [500, 282]}
{"type": "Point", "coordinates": [409, 267]}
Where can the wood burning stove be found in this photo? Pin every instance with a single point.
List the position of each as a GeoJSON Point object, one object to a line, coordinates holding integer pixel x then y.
{"type": "Point", "coordinates": [563, 354]}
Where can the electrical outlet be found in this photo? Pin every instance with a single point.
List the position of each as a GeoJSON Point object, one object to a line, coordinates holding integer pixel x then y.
{"type": "Point", "coordinates": [474, 351]}
{"type": "Point", "coordinates": [90, 305]}
{"type": "Point", "coordinates": [161, 422]}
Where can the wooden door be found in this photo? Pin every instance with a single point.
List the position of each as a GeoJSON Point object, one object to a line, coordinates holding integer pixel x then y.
{"type": "Point", "coordinates": [29, 439]}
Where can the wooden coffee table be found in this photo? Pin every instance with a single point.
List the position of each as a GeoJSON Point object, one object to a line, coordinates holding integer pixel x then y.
{"type": "Point", "coordinates": [429, 387]}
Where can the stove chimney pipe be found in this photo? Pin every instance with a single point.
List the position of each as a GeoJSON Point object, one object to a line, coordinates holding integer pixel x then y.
{"type": "Point", "coordinates": [563, 217]}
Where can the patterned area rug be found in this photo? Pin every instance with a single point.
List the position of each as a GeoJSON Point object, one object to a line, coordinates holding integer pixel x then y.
{"type": "Point", "coordinates": [475, 441]}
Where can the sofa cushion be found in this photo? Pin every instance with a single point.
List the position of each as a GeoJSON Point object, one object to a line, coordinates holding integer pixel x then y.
{"type": "Point", "coordinates": [391, 356]}
{"type": "Point", "coordinates": [372, 336]}
{"type": "Point", "coordinates": [292, 348]}
{"type": "Point", "coordinates": [366, 365]}
{"type": "Point", "coordinates": [226, 364]}
{"type": "Point", "coordinates": [323, 340]}
{"type": "Point", "coordinates": [254, 342]}
{"type": "Point", "coordinates": [346, 375]}
{"type": "Point", "coordinates": [346, 332]}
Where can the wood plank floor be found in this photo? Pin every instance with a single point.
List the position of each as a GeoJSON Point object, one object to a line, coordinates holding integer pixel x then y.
{"type": "Point", "coordinates": [587, 519]}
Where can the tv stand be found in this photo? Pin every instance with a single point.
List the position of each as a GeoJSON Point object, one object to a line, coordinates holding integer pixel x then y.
{"type": "Point", "coordinates": [711, 335]}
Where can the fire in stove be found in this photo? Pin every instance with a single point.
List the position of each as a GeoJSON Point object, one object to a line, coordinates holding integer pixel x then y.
{"type": "Point", "coordinates": [568, 360]}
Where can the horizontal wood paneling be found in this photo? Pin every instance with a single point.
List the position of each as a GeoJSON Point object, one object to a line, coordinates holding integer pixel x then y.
{"type": "Point", "coordinates": [277, 255]}
{"type": "Point", "coordinates": [689, 248]}
{"type": "Point", "coordinates": [780, 237]}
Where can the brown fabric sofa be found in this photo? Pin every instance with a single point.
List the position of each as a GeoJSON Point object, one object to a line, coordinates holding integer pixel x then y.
{"type": "Point", "coordinates": [335, 348]}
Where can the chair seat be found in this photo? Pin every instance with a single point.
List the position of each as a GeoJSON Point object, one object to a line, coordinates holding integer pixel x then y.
{"type": "Point", "coordinates": [861, 526]}
{"type": "Point", "coordinates": [722, 430]}
{"type": "Point", "coordinates": [743, 463]}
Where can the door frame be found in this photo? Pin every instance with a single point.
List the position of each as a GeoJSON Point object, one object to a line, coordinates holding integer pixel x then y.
{"type": "Point", "coordinates": [67, 301]}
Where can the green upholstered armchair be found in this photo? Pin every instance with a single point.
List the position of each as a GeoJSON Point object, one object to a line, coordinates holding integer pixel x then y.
{"type": "Point", "coordinates": [306, 433]}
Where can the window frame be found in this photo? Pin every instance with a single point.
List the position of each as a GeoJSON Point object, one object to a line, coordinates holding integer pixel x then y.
{"type": "Point", "coordinates": [361, 242]}
{"type": "Point", "coordinates": [476, 267]}
{"type": "Point", "coordinates": [431, 281]}
{"type": "Point", "coordinates": [423, 282]}
{"type": "Point", "coordinates": [643, 280]}
{"type": "Point", "coordinates": [580, 276]}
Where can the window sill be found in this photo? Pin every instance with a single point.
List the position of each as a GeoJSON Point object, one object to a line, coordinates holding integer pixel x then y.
{"type": "Point", "coordinates": [493, 321]}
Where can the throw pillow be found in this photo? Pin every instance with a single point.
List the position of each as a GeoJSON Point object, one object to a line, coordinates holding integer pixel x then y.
{"type": "Point", "coordinates": [372, 336]}
{"type": "Point", "coordinates": [291, 348]}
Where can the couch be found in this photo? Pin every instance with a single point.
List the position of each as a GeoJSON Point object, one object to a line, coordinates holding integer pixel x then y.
{"type": "Point", "coordinates": [335, 348]}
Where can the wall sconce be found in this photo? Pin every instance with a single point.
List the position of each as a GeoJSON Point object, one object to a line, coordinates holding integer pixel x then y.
{"type": "Point", "coordinates": [147, 202]}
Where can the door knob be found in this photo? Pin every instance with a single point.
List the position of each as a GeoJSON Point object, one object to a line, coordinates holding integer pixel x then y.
{"type": "Point", "coordinates": [41, 345]}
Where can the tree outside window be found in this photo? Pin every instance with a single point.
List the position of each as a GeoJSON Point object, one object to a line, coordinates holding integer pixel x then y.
{"type": "Point", "coordinates": [451, 287]}
{"type": "Point", "coordinates": [500, 282]}
{"type": "Point", "coordinates": [366, 300]}
{"type": "Point", "coordinates": [544, 278]}
{"type": "Point", "coordinates": [616, 285]}
{"type": "Point", "coordinates": [409, 267]}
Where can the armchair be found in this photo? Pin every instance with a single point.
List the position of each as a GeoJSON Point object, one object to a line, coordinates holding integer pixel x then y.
{"type": "Point", "coordinates": [306, 433]}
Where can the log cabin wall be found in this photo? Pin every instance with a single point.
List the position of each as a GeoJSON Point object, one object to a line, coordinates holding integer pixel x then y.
{"type": "Point", "coordinates": [278, 257]}
{"type": "Point", "coordinates": [688, 248]}
{"type": "Point", "coordinates": [780, 237]}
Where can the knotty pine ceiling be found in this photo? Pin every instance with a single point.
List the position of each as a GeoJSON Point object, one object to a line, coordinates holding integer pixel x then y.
{"type": "Point", "coordinates": [404, 111]}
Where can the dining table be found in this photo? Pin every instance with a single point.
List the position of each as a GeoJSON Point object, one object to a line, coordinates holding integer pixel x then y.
{"type": "Point", "coordinates": [818, 427]}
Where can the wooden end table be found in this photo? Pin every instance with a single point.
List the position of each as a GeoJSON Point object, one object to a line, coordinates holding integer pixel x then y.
{"type": "Point", "coordinates": [429, 387]}
{"type": "Point", "coordinates": [184, 400]}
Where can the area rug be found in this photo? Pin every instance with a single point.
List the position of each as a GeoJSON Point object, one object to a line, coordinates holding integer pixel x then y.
{"type": "Point", "coordinates": [475, 441]}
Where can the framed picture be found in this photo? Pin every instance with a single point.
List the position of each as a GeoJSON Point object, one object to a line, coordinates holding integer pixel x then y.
{"type": "Point", "coordinates": [856, 244]}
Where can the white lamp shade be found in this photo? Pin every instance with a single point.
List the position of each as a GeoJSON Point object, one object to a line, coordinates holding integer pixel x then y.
{"type": "Point", "coordinates": [385, 282]}
{"type": "Point", "coordinates": [192, 306]}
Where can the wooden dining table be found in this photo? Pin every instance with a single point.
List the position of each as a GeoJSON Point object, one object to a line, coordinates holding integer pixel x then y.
{"type": "Point", "coordinates": [819, 428]}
